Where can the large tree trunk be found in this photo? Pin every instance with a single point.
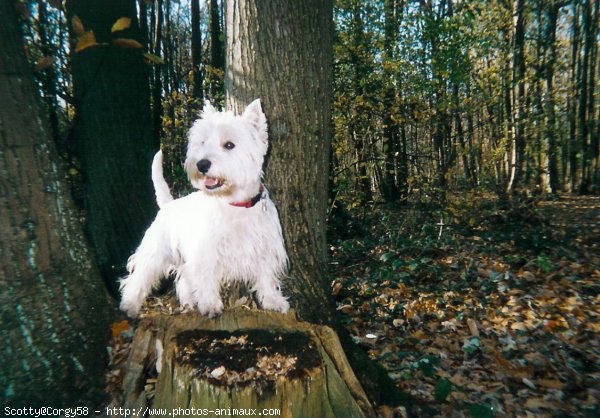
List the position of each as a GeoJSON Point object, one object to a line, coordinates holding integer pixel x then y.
{"type": "Point", "coordinates": [282, 52]}
{"type": "Point", "coordinates": [287, 62]}
{"type": "Point", "coordinates": [113, 134]}
{"type": "Point", "coordinates": [54, 307]}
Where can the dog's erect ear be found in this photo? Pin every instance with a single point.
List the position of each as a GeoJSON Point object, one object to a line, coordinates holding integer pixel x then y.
{"type": "Point", "coordinates": [208, 109]}
{"type": "Point", "coordinates": [255, 116]}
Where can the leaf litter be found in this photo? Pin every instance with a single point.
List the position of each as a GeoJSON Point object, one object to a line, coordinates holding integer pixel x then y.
{"type": "Point", "coordinates": [500, 317]}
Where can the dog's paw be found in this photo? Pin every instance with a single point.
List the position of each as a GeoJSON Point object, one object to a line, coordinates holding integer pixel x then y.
{"type": "Point", "coordinates": [210, 309]}
{"type": "Point", "coordinates": [130, 307]}
{"type": "Point", "coordinates": [275, 303]}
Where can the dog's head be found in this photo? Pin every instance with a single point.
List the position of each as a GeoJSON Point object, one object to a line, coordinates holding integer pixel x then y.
{"type": "Point", "coordinates": [225, 151]}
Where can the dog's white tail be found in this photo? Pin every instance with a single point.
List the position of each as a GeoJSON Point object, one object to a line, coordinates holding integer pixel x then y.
{"type": "Point", "coordinates": [161, 188]}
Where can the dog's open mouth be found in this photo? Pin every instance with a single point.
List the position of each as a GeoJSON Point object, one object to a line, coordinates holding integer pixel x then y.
{"type": "Point", "coordinates": [212, 183]}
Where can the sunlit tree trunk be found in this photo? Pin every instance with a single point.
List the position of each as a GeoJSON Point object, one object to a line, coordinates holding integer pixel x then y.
{"type": "Point", "coordinates": [517, 157]}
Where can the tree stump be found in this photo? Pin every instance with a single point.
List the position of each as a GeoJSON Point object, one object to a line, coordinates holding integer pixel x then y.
{"type": "Point", "coordinates": [243, 362]}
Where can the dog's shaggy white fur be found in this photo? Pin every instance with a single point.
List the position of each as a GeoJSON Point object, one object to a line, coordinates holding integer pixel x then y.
{"type": "Point", "coordinates": [226, 231]}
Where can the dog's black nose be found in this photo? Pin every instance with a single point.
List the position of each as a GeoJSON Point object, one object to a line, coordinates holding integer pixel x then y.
{"type": "Point", "coordinates": [203, 166]}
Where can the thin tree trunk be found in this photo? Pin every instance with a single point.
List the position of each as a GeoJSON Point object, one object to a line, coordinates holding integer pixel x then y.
{"type": "Point", "coordinates": [167, 50]}
{"type": "Point", "coordinates": [54, 307]}
{"type": "Point", "coordinates": [573, 144]}
{"type": "Point", "coordinates": [157, 82]}
{"type": "Point", "coordinates": [217, 55]}
{"type": "Point", "coordinates": [517, 158]}
{"type": "Point", "coordinates": [144, 35]}
{"type": "Point", "coordinates": [473, 160]}
{"type": "Point", "coordinates": [537, 155]}
{"type": "Point", "coordinates": [403, 171]}
{"type": "Point", "coordinates": [357, 135]}
{"type": "Point", "coordinates": [48, 77]}
{"type": "Point", "coordinates": [363, 180]}
{"type": "Point", "coordinates": [551, 162]}
{"type": "Point", "coordinates": [460, 134]}
{"type": "Point", "coordinates": [198, 81]}
{"type": "Point", "coordinates": [596, 138]}
{"type": "Point", "coordinates": [506, 113]}
{"type": "Point", "coordinates": [582, 114]}
{"type": "Point", "coordinates": [389, 186]}
{"type": "Point", "coordinates": [592, 141]}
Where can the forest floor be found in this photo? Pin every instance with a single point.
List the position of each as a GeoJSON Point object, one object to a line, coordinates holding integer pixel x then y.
{"type": "Point", "coordinates": [478, 310]}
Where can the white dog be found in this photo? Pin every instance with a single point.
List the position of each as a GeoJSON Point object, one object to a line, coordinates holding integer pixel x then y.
{"type": "Point", "coordinates": [226, 231]}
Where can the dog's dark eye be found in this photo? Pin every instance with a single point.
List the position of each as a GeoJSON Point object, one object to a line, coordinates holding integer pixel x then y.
{"type": "Point", "coordinates": [229, 145]}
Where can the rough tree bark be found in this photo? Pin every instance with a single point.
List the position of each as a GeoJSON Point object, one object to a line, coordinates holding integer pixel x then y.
{"type": "Point", "coordinates": [112, 134]}
{"type": "Point", "coordinates": [282, 53]}
{"type": "Point", "coordinates": [54, 309]}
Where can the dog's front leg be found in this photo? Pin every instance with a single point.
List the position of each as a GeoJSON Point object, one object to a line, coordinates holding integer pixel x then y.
{"type": "Point", "coordinates": [268, 290]}
{"type": "Point", "coordinates": [146, 267]}
{"type": "Point", "coordinates": [199, 285]}
{"type": "Point", "coordinates": [138, 284]}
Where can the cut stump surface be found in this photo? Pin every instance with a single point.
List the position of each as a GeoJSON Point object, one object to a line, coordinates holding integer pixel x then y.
{"type": "Point", "coordinates": [245, 360]}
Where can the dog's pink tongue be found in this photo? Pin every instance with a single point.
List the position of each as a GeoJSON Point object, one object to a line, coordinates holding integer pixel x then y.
{"type": "Point", "coordinates": [210, 182]}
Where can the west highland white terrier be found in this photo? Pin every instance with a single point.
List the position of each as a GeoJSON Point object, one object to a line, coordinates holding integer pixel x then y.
{"type": "Point", "coordinates": [228, 230]}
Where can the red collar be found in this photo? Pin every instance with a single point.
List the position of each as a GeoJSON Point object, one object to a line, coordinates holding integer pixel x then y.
{"type": "Point", "coordinates": [251, 202]}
